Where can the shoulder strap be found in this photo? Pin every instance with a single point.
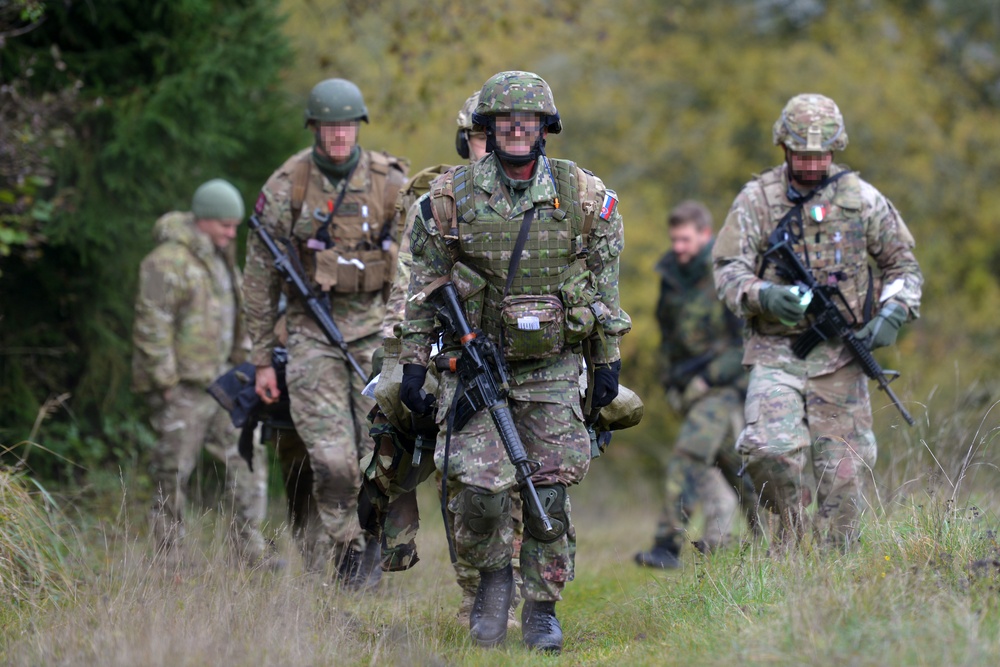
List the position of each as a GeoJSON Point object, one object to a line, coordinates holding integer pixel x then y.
{"type": "Point", "coordinates": [300, 183]}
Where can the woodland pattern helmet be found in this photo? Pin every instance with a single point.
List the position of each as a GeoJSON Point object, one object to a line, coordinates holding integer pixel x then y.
{"type": "Point", "coordinates": [812, 123]}
{"type": "Point", "coordinates": [513, 91]}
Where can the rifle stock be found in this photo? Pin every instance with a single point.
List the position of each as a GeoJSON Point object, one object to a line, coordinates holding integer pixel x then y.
{"type": "Point", "coordinates": [286, 268]}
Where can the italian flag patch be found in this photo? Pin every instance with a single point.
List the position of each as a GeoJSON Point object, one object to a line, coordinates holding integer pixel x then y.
{"type": "Point", "coordinates": [818, 213]}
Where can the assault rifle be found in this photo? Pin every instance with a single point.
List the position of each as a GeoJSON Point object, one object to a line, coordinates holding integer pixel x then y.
{"type": "Point", "coordinates": [829, 322]}
{"type": "Point", "coordinates": [289, 268]}
{"type": "Point", "coordinates": [482, 375]}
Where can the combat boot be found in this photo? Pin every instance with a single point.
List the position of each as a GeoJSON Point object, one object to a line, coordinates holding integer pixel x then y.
{"type": "Point", "coordinates": [488, 620]}
{"type": "Point", "coordinates": [540, 629]}
{"type": "Point", "coordinates": [663, 555]}
{"type": "Point", "coordinates": [355, 571]}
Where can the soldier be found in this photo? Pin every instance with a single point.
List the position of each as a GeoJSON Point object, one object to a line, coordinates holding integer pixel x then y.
{"type": "Point", "coordinates": [702, 350]}
{"type": "Point", "coordinates": [334, 205]}
{"type": "Point", "coordinates": [819, 404]}
{"type": "Point", "coordinates": [542, 298]}
{"type": "Point", "coordinates": [188, 329]}
{"type": "Point", "coordinates": [471, 145]}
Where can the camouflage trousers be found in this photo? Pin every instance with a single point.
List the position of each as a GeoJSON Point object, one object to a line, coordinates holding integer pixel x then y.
{"type": "Point", "coordinates": [550, 424]}
{"type": "Point", "coordinates": [184, 424]}
{"type": "Point", "coordinates": [791, 418]}
{"type": "Point", "coordinates": [321, 388]}
{"type": "Point", "coordinates": [390, 481]}
{"type": "Point", "coordinates": [703, 471]}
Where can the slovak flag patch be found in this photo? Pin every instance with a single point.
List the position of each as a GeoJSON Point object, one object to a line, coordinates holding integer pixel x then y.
{"type": "Point", "coordinates": [609, 206]}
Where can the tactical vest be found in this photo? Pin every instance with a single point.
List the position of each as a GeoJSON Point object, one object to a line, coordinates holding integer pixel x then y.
{"type": "Point", "coordinates": [833, 245]}
{"type": "Point", "coordinates": [553, 266]}
{"type": "Point", "coordinates": [362, 258]}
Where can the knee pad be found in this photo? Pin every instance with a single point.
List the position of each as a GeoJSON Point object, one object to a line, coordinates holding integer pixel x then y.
{"type": "Point", "coordinates": [483, 512]}
{"type": "Point", "coordinates": [553, 499]}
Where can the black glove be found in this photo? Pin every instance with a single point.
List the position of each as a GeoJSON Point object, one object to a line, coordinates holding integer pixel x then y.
{"type": "Point", "coordinates": [411, 392]}
{"type": "Point", "coordinates": [606, 383]}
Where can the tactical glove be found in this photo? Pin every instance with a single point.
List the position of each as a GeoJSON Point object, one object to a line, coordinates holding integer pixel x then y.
{"type": "Point", "coordinates": [783, 303]}
{"type": "Point", "coordinates": [606, 383]}
{"type": "Point", "coordinates": [412, 393]}
{"type": "Point", "coordinates": [882, 330]}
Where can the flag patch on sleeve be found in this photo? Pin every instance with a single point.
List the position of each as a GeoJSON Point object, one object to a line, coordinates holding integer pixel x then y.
{"type": "Point", "coordinates": [609, 205]}
{"type": "Point", "coordinates": [258, 208]}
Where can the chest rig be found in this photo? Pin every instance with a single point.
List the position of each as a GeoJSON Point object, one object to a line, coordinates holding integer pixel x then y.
{"type": "Point", "coordinates": [829, 238]}
{"type": "Point", "coordinates": [344, 234]}
{"type": "Point", "coordinates": [555, 261]}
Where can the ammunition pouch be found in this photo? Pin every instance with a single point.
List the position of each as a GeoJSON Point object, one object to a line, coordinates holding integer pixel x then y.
{"type": "Point", "coordinates": [351, 271]}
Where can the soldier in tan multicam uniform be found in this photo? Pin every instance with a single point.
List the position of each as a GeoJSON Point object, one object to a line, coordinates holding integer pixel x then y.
{"type": "Point", "coordinates": [817, 407]}
{"type": "Point", "coordinates": [701, 349]}
{"type": "Point", "coordinates": [188, 329]}
{"type": "Point", "coordinates": [562, 296]}
{"type": "Point", "coordinates": [334, 203]}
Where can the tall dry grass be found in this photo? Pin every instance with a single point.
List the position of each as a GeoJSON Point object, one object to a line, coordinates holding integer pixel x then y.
{"type": "Point", "coordinates": [922, 588]}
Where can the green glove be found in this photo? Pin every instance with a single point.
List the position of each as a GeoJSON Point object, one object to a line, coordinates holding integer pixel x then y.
{"type": "Point", "coordinates": [783, 302]}
{"type": "Point", "coordinates": [882, 330]}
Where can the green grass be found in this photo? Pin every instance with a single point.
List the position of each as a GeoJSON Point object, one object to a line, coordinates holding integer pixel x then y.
{"type": "Point", "coordinates": [923, 587]}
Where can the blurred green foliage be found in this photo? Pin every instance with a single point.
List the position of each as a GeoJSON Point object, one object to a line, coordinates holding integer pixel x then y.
{"type": "Point", "coordinates": [664, 101]}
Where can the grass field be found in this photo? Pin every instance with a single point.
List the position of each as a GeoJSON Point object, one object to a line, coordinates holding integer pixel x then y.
{"type": "Point", "coordinates": [922, 589]}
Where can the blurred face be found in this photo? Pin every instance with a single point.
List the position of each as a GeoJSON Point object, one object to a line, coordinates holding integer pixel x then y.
{"type": "Point", "coordinates": [337, 140]}
{"type": "Point", "coordinates": [686, 240]}
{"type": "Point", "coordinates": [222, 232]}
{"type": "Point", "coordinates": [808, 169]}
{"type": "Point", "coordinates": [477, 144]}
{"type": "Point", "coordinates": [517, 132]}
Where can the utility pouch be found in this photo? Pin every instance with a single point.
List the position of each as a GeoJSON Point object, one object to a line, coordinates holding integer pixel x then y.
{"type": "Point", "coordinates": [583, 309]}
{"type": "Point", "coordinates": [532, 326]}
{"type": "Point", "coordinates": [327, 271]}
{"type": "Point", "coordinates": [359, 271]}
{"type": "Point", "coordinates": [471, 288]}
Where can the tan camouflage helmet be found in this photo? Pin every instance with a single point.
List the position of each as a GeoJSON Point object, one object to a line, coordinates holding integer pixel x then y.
{"type": "Point", "coordinates": [810, 123]}
{"type": "Point", "coordinates": [512, 91]}
{"type": "Point", "coordinates": [464, 119]}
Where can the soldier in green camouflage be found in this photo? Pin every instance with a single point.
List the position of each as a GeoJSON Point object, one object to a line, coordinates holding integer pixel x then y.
{"type": "Point", "coordinates": [402, 516]}
{"type": "Point", "coordinates": [815, 407]}
{"type": "Point", "coordinates": [542, 305]}
{"type": "Point", "coordinates": [701, 350]}
{"type": "Point", "coordinates": [334, 204]}
{"type": "Point", "coordinates": [188, 329]}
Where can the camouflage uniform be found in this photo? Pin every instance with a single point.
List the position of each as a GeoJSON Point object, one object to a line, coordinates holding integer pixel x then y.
{"type": "Point", "coordinates": [326, 404]}
{"type": "Point", "coordinates": [544, 392]}
{"type": "Point", "coordinates": [187, 331]}
{"type": "Point", "coordinates": [819, 404]}
{"type": "Point", "coordinates": [701, 349]}
{"type": "Point", "coordinates": [402, 515]}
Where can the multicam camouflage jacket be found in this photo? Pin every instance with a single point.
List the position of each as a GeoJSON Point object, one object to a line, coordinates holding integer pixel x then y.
{"type": "Point", "coordinates": [188, 326]}
{"type": "Point", "coordinates": [355, 271]}
{"type": "Point", "coordinates": [698, 334]}
{"type": "Point", "coordinates": [847, 226]}
{"type": "Point", "coordinates": [566, 290]}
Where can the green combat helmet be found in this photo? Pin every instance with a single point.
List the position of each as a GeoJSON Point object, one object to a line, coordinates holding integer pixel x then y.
{"type": "Point", "coordinates": [464, 121]}
{"type": "Point", "coordinates": [217, 200]}
{"type": "Point", "coordinates": [335, 100]}
{"type": "Point", "coordinates": [810, 123]}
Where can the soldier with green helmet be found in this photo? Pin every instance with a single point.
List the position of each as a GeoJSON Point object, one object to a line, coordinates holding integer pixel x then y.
{"type": "Point", "coordinates": [816, 407]}
{"type": "Point", "coordinates": [701, 351]}
{"type": "Point", "coordinates": [543, 305]}
{"type": "Point", "coordinates": [188, 329]}
{"type": "Point", "coordinates": [334, 205]}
